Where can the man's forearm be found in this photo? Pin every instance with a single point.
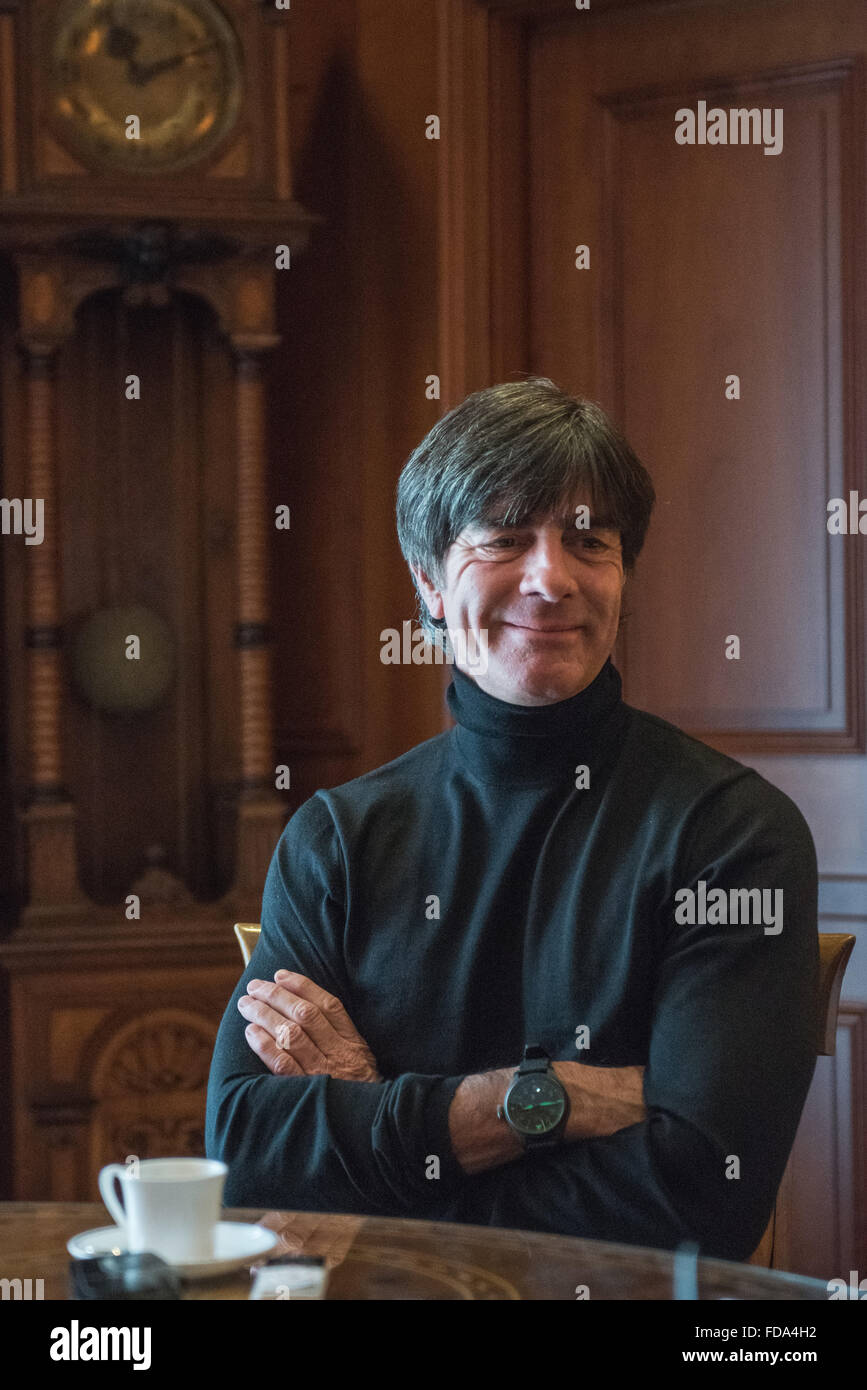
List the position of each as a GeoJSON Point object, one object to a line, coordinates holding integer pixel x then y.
{"type": "Point", "coordinates": [602, 1100]}
{"type": "Point", "coordinates": [480, 1140]}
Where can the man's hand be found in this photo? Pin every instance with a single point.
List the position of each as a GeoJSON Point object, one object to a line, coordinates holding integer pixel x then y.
{"type": "Point", "coordinates": [298, 1029]}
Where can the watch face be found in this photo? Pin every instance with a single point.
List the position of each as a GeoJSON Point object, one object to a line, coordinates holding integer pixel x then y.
{"type": "Point", "coordinates": [175, 65]}
{"type": "Point", "coordinates": [535, 1104]}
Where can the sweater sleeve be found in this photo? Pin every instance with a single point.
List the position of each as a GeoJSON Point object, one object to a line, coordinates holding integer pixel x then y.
{"type": "Point", "coordinates": [731, 1055]}
{"type": "Point", "coordinates": [314, 1143]}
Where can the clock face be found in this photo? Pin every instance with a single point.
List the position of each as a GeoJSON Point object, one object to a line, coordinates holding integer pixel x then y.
{"type": "Point", "coordinates": [174, 64]}
{"type": "Point", "coordinates": [534, 1105]}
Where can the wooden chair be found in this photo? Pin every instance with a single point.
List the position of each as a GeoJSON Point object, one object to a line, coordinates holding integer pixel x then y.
{"type": "Point", "coordinates": [247, 934]}
{"type": "Point", "coordinates": [835, 948]}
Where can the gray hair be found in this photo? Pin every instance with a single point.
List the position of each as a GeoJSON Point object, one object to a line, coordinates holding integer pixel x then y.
{"type": "Point", "coordinates": [505, 455]}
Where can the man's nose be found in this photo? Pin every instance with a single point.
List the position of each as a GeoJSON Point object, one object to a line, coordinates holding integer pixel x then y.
{"type": "Point", "coordinates": [547, 570]}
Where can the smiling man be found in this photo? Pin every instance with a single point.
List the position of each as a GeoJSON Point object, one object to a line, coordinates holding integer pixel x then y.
{"type": "Point", "coordinates": [473, 998]}
{"type": "Point", "coordinates": [562, 616]}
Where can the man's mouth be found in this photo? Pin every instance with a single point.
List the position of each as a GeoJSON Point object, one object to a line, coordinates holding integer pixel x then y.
{"type": "Point", "coordinates": [524, 627]}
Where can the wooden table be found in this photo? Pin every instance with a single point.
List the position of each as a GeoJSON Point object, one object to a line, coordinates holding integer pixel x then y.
{"type": "Point", "coordinates": [374, 1258]}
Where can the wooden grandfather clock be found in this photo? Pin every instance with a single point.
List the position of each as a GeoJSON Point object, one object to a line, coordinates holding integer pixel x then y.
{"type": "Point", "coordinates": [146, 211]}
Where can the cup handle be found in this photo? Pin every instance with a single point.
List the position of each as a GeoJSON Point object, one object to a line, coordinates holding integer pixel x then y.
{"type": "Point", "coordinates": [107, 1178]}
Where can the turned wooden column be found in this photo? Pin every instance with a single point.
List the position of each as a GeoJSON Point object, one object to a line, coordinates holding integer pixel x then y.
{"type": "Point", "coordinates": [261, 811]}
{"type": "Point", "coordinates": [49, 815]}
{"type": "Point", "coordinates": [252, 634]}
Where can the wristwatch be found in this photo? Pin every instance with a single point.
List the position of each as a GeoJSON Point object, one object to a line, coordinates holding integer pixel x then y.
{"type": "Point", "coordinates": [536, 1104]}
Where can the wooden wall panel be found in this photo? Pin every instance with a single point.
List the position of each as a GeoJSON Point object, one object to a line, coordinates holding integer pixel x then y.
{"type": "Point", "coordinates": [822, 1229]}
{"type": "Point", "coordinates": [358, 314]}
{"type": "Point", "coordinates": [397, 172]}
{"type": "Point", "coordinates": [8, 149]}
{"type": "Point", "coordinates": [699, 246]}
{"type": "Point", "coordinates": [8, 438]}
{"type": "Point", "coordinates": [708, 261]}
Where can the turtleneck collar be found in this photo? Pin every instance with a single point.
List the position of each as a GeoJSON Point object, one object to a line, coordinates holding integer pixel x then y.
{"type": "Point", "coordinates": [535, 744]}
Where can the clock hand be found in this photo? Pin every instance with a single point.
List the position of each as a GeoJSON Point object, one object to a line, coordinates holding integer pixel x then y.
{"type": "Point", "coordinates": [122, 43]}
{"type": "Point", "coordinates": [147, 71]}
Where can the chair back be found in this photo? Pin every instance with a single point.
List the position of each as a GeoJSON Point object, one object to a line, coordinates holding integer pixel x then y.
{"type": "Point", "coordinates": [247, 934]}
{"type": "Point", "coordinates": [835, 948]}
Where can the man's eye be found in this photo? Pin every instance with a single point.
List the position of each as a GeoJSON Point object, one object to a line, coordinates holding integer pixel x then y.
{"type": "Point", "coordinates": [586, 541]}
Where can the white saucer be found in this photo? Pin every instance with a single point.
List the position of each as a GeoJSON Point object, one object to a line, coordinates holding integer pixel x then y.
{"type": "Point", "coordinates": [237, 1244]}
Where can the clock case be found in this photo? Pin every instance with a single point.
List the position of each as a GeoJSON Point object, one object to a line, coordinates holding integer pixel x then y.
{"type": "Point", "coordinates": [101, 272]}
{"type": "Point", "coordinates": [201, 241]}
{"type": "Point", "coordinates": [140, 86]}
{"type": "Point", "coordinates": [247, 174]}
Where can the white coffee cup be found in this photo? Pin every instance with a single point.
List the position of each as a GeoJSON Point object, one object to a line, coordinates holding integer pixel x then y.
{"type": "Point", "coordinates": [170, 1206]}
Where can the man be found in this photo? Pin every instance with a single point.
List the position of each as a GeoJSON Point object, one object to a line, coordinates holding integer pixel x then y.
{"type": "Point", "coordinates": [559, 874]}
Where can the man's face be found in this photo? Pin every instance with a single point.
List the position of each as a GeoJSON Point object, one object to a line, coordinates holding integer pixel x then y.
{"type": "Point", "coordinates": [547, 593]}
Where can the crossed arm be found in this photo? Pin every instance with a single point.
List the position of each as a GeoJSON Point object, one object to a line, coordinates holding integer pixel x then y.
{"type": "Point", "coordinates": [298, 1029]}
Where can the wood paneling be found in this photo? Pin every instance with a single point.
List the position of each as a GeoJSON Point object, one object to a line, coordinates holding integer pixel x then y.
{"type": "Point", "coordinates": [8, 144]}
{"type": "Point", "coordinates": [9, 445]}
{"type": "Point", "coordinates": [821, 1217]}
{"type": "Point", "coordinates": [707, 261]}
{"type": "Point", "coordinates": [697, 247]}
{"type": "Point", "coordinates": [347, 402]}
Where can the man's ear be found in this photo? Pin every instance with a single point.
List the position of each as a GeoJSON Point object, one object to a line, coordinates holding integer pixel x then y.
{"type": "Point", "coordinates": [430, 593]}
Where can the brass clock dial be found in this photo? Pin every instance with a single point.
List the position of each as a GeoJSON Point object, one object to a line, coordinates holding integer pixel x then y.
{"type": "Point", "coordinates": [175, 64]}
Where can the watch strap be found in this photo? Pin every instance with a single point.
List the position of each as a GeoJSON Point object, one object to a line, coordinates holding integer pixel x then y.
{"type": "Point", "coordinates": [536, 1059]}
{"type": "Point", "coordinates": [533, 1142]}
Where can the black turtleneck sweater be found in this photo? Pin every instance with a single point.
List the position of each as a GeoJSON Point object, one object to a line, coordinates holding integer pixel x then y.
{"type": "Point", "coordinates": [468, 898]}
